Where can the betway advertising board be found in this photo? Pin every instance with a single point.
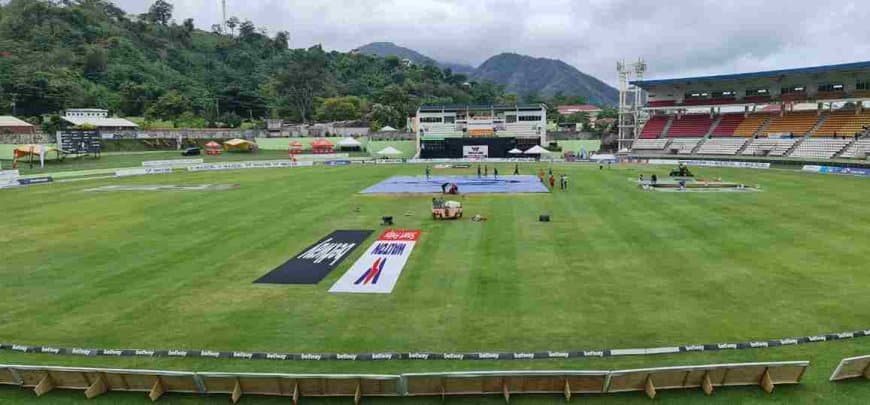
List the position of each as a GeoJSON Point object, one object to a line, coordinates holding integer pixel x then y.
{"type": "Point", "coordinates": [315, 262]}
{"type": "Point", "coordinates": [475, 151]}
{"type": "Point", "coordinates": [378, 270]}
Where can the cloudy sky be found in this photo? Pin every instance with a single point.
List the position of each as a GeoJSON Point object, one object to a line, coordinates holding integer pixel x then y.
{"type": "Point", "coordinates": [675, 37]}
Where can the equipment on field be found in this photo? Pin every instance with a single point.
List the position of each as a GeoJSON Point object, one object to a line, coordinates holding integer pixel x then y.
{"type": "Point", "coordinates": [544, 218]}
{"type": "Point", "coordinates": [387, 220]}
{"type": "Point", "coordinates": [446, 209]}
{"type": "Point", "coordinates": [191, 152]}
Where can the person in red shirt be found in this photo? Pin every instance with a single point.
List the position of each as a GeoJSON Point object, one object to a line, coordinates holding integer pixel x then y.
{"type": "Point", "coordinates": [552, 181]}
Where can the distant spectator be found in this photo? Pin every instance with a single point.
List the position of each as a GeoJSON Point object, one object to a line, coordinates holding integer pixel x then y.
{"type": "Point", "coordinates": [552, 181]}
{"type": "Point", "coordinates": [495, 172]}
{"type": "Point", "coordinates": [516, 170]}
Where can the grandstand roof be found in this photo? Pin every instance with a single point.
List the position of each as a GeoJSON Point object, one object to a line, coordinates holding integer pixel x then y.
{"type": "Point", "coordinates": [438, 108]}
{"type": "Point", "coordinates": [855, 66]}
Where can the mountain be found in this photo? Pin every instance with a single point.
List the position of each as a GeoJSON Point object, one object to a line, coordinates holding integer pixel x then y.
{"type": "Point", "coordinates": [383, 49]}
{"type": "Point", "coordinates": [526, 75]}
{"type": "Point", "coordinates": [519, 74]}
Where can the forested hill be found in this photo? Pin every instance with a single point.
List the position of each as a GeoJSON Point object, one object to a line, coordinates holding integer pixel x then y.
{"type": "Point", "coordinates": [90, 53]}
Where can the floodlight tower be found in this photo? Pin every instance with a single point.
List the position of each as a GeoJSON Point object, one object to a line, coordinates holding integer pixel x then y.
{"type": "Point", "coordinates": [630, 101]}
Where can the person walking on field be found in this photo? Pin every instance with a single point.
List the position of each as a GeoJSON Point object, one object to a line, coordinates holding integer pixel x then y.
{"type": "Point", "coordinates": [552, 182]}
{"type": "Point", "coordinates": [516, 170]}
{"type": "Point", "coordinates": [565, 182]}
{"type": "Point", "coordinates": [495, 172]}
{"type": "Point", "coordinates": [541, 175]}
{"type": "Point", "coordinates": [478, 171]}
{"type": "Point", "coordinates": [427, 172]}
{"type": "Point", "coordinates": [485, 171]}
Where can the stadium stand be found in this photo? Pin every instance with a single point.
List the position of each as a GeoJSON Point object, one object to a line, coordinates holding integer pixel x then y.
{"type": "Point", "coordinates": [728, 124]}
{"type": "Point", "coordinates": [690, 126]}
{"type": "Point", "coordinates": [755, 99]}
{"type": "Point", "coordinates": [769, 147]}
{"type": "Point", "coordinates": [797, 123]}
{"type": "Point", "coordinates": [859, 149]}
{"type": "Point", "coordinates": [654, 127]}
{"type": "Point", "coordinates": [820, 148]}
{"type": "Point", "coordinates": [722, 146]}
{"type": "Point", "coordinates": [661, 103]}
{"type": "Point", "coordinates": [683, 146]}
{"type": "Point", "coordinates": [852, 367]}
{"type": "Point", "coordinates": [650, 144]}
{"type": "Point", "coordinates": [751, 124]}
{"type": "Point", "coordinates": [709, 101]}
{"type": "Point", "coordinates": [843, 123]}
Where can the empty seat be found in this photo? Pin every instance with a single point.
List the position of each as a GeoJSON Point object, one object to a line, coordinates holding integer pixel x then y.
{"type": "Point", "coordinates": [727, 125]}
{"type": "Point", "coordinates": [819, 148]}
{"type": "Point", "coordinates": [751, 124]}
{"type": "Point", "coordinates": [722, 146]}
{"type": "Point", "coordinates": [654, 127]}
{"type": "Point", "coordinates": [690, 125]}
{"type": "Point", "coordinates": [843, 123]}
{"type": "Point", "coordinates": [797, 123]}
{"type": "Point", "coordinates": [650, 144]}
{"type": "Point", "coordinates": [768, 147]}
{"type": "Point", "coordinates": [859, 149]}
{"type": "Point", "coordinates": [683, 146]}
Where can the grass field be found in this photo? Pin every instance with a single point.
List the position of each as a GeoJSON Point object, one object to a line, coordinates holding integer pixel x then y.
{"type": "Point", "coordinates": [617, 268]}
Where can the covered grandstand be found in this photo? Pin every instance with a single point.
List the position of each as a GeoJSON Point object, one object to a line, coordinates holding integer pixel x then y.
{"type": "Point", "coordinates": [449, 131]}
{"type": "Point", "coordinates": [813, 113]}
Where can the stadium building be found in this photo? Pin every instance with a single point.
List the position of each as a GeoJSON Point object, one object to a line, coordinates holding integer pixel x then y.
{"type": "Point", "coordinates": [814, 113]}
{"type": "Point", "coordinates": [478, 131]}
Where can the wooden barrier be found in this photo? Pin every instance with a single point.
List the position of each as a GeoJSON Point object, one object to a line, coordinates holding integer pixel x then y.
{"type": "Point", "coordinates": [852, 367]}
{"type": "Point", "coordinates": [95, 381]}
{"type": "Point", "coordinates": [506, 383]}
{"type": "Point", "coordinates": [707, 377]}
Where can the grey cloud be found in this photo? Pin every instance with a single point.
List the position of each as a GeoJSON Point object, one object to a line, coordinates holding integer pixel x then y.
{"type": "Point", "coordinates": [675, 37]}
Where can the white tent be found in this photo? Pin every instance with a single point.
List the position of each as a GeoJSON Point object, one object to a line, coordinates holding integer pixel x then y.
{"type": "Point", "coordinates": [349, 143]}
{"type": "Point", "coordinates": [515, 151]}
{"type": "Point", "coordinates": [388, 129]}
{"type": "Point", "coordinates": [536, 150]}
{"type": "Point", "coordinates": [389, 151]}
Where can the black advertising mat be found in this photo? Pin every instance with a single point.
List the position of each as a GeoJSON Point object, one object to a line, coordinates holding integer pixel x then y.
{"type": "Point", "coordinates": [316, 261]}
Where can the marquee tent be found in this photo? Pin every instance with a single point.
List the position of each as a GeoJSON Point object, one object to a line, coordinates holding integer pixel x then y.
{"type": "Point", "coordinates": [389, 151]}
{"type": "Point", "coordinates": [32, 150]}
{"type": "Point", "coordinates": [322, 146]}
{"type": "Point", "coordinates": [515, 151]}
{"type": "Point", "coordinates": [349, 144]}
{"type": "Point", "coordinates": [536, 150]}
{"type": "Point", "coordinates": [388, 129]}
{"type": "Point", "coordinates": [240, 145]}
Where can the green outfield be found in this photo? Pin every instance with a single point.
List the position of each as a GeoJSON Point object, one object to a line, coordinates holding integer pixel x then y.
{"type": "Point", "coordinates": [616, 268]}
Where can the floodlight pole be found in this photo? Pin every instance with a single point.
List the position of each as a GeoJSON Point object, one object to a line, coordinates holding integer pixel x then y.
{"type": "Point", "coordinates": [630, 102]}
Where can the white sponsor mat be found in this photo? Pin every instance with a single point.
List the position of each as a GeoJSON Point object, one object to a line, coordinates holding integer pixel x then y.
{"type": "Point", "coordinates": [379, 268]}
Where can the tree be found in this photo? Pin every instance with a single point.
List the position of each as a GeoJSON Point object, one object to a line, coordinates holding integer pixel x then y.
{"type": "Point", "coordinates": [282, 40]}
{"type": "Point", "coordinates": [383, 115]}
{"type": "Point", "coordinates": [304, 78]}
{"type": "Point", "coordinates": [340, 109]}
{"type": "Point", "coordinates": [160, 12]}
{"type": "Point", "coordinates": [188, 25]}
{"type": "Point", "coordinates": [170, 106]}
{"type": "Point", "coordinates": [247, 30]}
{"type": "Point", "coordinates": [232, 23]}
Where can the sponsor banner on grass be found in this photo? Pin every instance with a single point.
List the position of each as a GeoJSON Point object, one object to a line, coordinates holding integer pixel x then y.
{"type": "Point", "coordinates": [316, 261]}
{"type": "Point", "coordinates": [710, 163]}
{"type": "Point", "coordinates": [253, 164]}
{"type": "Point", "coordinates": [171, 162]}
{"type": "Point", "coordinates": [378, 270]}
{"type": "Point", "coordinates": [140, 171]}
{"type": "Point", "coordinates": [853, 171]}
{"type": "Point", "coordinates": [8, 178]}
